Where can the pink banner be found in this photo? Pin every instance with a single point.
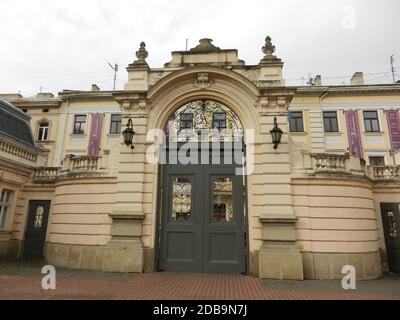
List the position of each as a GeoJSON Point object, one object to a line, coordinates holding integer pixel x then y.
{"type": "Point", "coordinates": [392, 117]}
{"type": "Point", "coordinates": [95, 135]}
{"type": "Point", "coordinates": [353, 133]}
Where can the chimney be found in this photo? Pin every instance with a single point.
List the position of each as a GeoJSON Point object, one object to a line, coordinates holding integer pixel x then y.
{"type": "Point", "coordinates": [318, 81]}
{"type": "Point", "coordinates": [357, 79]}
{"type": "Point", "coordinates": [95, 87]}
{"type": "Point", "coordinates": [45, 95]}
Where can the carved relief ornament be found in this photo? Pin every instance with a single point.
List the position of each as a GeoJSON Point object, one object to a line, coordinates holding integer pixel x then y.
{"type": "Point", "coordinates": [202, 81]}
{"type": "Point", "coordinates": [272, 106]}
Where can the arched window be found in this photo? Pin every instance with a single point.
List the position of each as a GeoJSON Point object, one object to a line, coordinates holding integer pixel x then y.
{"type": "Point", "coordinates": [204, 120]}
{"type": "Point", "coordinates": [43, 132]}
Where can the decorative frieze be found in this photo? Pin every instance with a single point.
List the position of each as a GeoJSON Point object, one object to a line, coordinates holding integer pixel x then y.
{"type": "Point", "coordinates": [273, 105]}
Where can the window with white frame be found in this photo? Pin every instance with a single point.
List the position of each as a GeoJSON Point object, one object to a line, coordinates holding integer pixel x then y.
{"type": "Point", "coordinates": [5, 204]}
{"type": "Point", "coordinates": [376, 161]}
{"type": "Point", "coordinates": [43, 131]}
{"type": "Point", "coordinates": [79, 124]}
{"type": "Point", "coordinates": [371, 121]}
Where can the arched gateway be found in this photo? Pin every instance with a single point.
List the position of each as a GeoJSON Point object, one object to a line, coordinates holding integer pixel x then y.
{"type": "Point", "coordinates": [202, 193]}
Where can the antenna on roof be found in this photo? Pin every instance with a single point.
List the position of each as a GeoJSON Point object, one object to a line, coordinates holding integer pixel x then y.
{"type": "Point", "coordinates": [187, 42]}
{"type": "Point", "coordinates": [115, 69]}
{"type": "Point", "coordinates": [392, 64]}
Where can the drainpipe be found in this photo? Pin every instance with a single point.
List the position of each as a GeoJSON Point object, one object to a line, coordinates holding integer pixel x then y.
{"type": "Point", "coordinates": [62, 135]}
{"type": "Point", "coordinates": [322, 97]}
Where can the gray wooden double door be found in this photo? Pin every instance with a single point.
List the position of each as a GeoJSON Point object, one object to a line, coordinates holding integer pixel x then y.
{"type": "Point", "coordinates": [202, 223]}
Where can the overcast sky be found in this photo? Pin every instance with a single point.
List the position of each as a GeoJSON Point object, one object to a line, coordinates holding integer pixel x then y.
{"type": "Point", "coordinates": [67, 44]}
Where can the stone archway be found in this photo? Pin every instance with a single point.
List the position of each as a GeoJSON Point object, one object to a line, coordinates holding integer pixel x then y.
{"type": "Point", "coordinates": [202, 219]}
{"type": "Point", "coordinates": [137, 204]}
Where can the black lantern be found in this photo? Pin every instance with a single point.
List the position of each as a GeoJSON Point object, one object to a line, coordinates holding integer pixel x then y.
{"type": "Point", "coordinates": [128, 134]}
{"type": "Point", "coordinates": [276, 134]}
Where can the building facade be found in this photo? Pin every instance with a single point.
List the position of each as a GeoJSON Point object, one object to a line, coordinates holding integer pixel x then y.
{"type": "Point", "coordinates": [204, 188]}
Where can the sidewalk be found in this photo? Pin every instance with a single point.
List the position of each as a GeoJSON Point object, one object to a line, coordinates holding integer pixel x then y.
{"type": "Point", "coordinates": [21, 280]}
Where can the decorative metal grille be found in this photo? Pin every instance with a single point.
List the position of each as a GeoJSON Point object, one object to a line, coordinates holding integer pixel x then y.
{"type": "Point", "coordinates": [210, 120]}
{"type": "Point", "coordinates": [181, 198]}
{"type": "Point", "coordinates": [37, 224]}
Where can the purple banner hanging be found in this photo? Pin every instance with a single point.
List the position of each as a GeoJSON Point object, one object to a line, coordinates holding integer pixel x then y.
{"type": "Point", "coordinates": [394, 128]}
{"type": "Point", "coordinates": [353, 133]}
{"type": "Point", "coordinates": [95, 135]}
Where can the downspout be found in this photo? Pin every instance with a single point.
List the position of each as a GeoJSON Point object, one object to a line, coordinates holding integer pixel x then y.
{"type": "Point", "coordinates": [321, 98]}
{"type": "Point", "coordinates": [62, 135]}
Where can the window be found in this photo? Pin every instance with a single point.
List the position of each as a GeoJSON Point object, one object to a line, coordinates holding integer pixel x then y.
{"type": "Point", "coordinates": [115, 127]}
{"type": "Point", "coordinates": [186, 121]}
{"type": "Point", "coordinates": [330, 121]}
{"type": "Point", "coordinates": [219, 121]}
{"type": "Point", "coordinates": [5, 203]}
{"type": "Point", "coordinates": [296, 121]}
{"type": "Point", "coordinates": [79, 124]}
{"type": "Point", "coordinates": [371, 122]}
{"type": "Point", "coordinates": [43, 131]}
{"type": "Point", "coordinates": [376, 161]}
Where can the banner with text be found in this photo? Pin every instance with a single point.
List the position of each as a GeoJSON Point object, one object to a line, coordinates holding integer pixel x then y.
{"type": "Point", "coordinates": [394, 128]}
{"type": "Point", "coordinates": [95, 135]}
{"type": "Point", "coordinates": [353, 133]}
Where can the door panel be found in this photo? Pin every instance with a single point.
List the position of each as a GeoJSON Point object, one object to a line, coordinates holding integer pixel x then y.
{"type": "Point", "coordinates": [35, 236]}
{"type": "Point", "coordinates": [181, 225]}
{"type": "Point", "coordinates": [224, 242]}
{"type": "Point", "coordinates": [391, 226]}
{"type": "Point", "coordinates": [202, 223]}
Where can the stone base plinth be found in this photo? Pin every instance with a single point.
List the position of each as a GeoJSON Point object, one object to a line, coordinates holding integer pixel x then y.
{"type": "Point", "coordinates": [117, 256]}
{"type": "Point", "coordinates": [319, 266]}
{"type": "Point", "coordinates": [280, 262]}
{"type": "Point", "coordinates": [10, 249]}
{"type": "Point", "coordinates": [123, 256]}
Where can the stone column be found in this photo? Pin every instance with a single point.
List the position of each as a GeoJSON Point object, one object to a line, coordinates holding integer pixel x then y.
{"type": "Point", "coordinates": [124, 252]}
{"type": "Point", "coordinates": [279, 257]}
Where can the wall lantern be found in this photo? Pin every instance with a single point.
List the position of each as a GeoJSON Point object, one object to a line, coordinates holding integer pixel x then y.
{"type": "Point", "coordinates": [128, 134]}
{"type": "Point", "coordinates": [276, 134]}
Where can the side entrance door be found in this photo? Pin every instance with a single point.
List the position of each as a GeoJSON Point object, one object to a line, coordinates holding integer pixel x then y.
{"type": "Point", "coordinates": [391, 226]}
{"type": "Point", "coordinates": [38, 214]}
{"type": "Point", "coordinates": [202, 223]}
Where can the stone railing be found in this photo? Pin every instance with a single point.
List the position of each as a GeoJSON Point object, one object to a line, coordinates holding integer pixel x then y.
{"type": "Point", "coordinates": [45, 174]}
{"type": "Point", "coordinates": [16, 152]}
{"type": "Point", "coordinates": [73, 166]}
{"type": "Point", "coordinates": [386, 173]}
{"type": "Point", "coordinates": [85, 165]}
{"type": "Point", "coordinates": [322, 162]}
{"type": "Point", "coordinates": [347, 164]}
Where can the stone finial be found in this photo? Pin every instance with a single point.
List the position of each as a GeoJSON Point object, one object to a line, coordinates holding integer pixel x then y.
{"type": "Point", "coordinates": [268, 49]}
{"type": "Point", "coordinates": [205, 45]}
{"type": "Point", "coordinates": [142, 54]}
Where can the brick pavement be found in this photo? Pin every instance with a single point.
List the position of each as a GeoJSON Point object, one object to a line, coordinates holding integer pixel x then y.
{"type": "Point", "coordinates": [23, 281]}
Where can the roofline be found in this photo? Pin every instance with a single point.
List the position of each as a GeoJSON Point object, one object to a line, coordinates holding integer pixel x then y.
{"type": "Point", "coordinates": [349, 89]}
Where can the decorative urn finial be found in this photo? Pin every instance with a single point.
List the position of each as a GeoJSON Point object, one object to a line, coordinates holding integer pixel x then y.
{"type": "Point", "coordinates": [268, 49]}
{"type": "Point", "coordinates": [142, 54]}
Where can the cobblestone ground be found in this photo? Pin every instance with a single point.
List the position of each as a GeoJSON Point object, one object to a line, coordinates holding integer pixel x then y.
{"type": "Point", "coordinates": [22, 280]}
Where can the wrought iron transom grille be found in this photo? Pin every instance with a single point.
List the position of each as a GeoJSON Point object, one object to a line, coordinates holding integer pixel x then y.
{"type": "Point", "coordinates": [204, 120]}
